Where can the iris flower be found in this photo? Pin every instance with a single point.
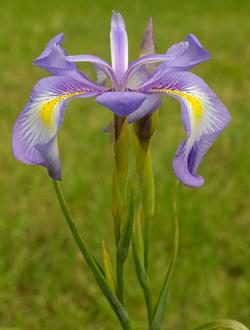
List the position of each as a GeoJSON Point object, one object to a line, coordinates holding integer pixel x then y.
{"type": "Point", "coordinates": [134, 93]}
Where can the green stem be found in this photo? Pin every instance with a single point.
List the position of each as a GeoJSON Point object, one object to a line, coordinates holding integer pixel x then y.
{"type": "Point", "coordinates": [148, 300]}
{"type": "Point", "coordinates": [114, 302]}
{"type": "Point", "coordinates": [120, 148]}
{"type": "Point", "coordinates": [119, 278]}
{"type": "Point", "coordinates": [137, 248]}
{"type": "Point", "coordinates": [147, 221]}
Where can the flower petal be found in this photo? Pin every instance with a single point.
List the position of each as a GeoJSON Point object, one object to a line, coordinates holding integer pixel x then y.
{"type": "Point", "coordinates": [103, 65]}
{"type": "Point", "coordinates": [187, 54]}
{"type": "Point", "coordinates": [34, 134]}
{"type": "Point", "coordinates": [121, 103]}
{"type": "Point", "coordinates": [54, 59]}
{"type": "Point", "coordinates": [143, 60]}
{"type": "Point", "coordinates": [101, 77]}
{"type": "Point", "coordinates": [118, 45]}
{"type": "Point", "coordinates": [204, 117]}
{"type": "Point", "coordinates": [151, 104]}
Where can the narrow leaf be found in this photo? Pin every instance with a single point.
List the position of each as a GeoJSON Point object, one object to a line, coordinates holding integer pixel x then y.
{"type": "Point", "coordinates": [138, 254]}
{"type": "Point", "coordinates": [223, 324]}
{"type": "Point", "coordinates": [123, 246]}
{"type": "Point", "coordinates": [108, 269]}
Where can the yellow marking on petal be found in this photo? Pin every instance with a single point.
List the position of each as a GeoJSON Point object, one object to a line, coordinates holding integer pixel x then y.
{"type": "Point", "coordinates": [48, 107]}
{"type": "Point", "coordinates": [195, 103]}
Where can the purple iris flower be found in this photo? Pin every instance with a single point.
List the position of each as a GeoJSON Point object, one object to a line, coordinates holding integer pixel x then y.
{"type": "Point", "coordinates": [134, 93]}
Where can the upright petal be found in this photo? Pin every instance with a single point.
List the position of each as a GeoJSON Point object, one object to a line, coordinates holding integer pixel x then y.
{"type": "Point", "coordinates": [102, 65]}
{"type": "Point", "coordinates": [101, 77]}
{"type": "Point", "coordinates": [204, 117]}
{"type": "Point", "coordinates": [144, 60]}
{"type": "Point", "coordinates": [119, 45]}
{"type": "Point", "coordinates": [34, 134]}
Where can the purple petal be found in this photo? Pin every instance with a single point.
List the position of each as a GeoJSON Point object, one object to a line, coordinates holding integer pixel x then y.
{"type": "Point", "coordinates": [34, 134]}
{"type": "Point", "coordinates": [121, 103]}
{"type": "Point", "coordinates": [203, 115]}
{"type": "Point", "coordinates": [185, 54]}
{"type": "Point", "coordinates": [103, 65]}
{"type": "Point", "coordinates": [144, 60]}
{"type": "Point", "coordinates": [101, 77]}
{"type": "Point", "coordinates": [118, 45]}
{"type": "Point", "coordinates": [140, 76]}
{"type": "Point", "coordinates": [151, 104]}
{"type": "Point", "coordinates": [54, 59]}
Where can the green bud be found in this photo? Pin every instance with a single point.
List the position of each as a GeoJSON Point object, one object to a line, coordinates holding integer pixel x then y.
{"type": "Point", "coordinates": [145, 127]}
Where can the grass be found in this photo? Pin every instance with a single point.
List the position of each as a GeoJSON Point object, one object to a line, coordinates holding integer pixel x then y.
{"type": "Point", "coordinates": [44, 283]}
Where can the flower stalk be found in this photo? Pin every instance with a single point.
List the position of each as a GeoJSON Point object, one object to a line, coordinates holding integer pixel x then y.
{"type": "Point", "coordinates": [120, 149]}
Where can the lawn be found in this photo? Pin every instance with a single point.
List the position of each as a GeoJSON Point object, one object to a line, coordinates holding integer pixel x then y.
{"type": "Point", "coordinates": [44, 282]}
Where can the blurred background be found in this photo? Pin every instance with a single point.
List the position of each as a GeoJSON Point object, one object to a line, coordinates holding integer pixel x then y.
{"type": "Point", "coordinates": [44, 282]}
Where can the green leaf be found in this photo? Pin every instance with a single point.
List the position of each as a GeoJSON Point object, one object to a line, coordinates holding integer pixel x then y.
{"type": "Point", "coordinates": [123, 245]}
{"type": "Point", "coordinates": [108, 269]}
{"type": "Point", "coordinates": [138, 254]}
{"type": "Point", "coordinates": [138, 251]}
{"type": "Point", "coordinates": [223, 324]}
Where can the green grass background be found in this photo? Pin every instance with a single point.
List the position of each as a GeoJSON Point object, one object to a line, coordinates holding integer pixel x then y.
{"type": "Point", "coordinates": [44, 282]}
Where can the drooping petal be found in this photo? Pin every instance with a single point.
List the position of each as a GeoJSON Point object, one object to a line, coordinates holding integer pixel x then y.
{"type": "Point", "coordinates": [187, 54]}
{"type": "Point", "coordinates": [204, 117]}
{"type": "Point", "coordinates": [34, 134]}
{"type": "Point", "coordinates": [54, 58]}
{"type": "Point", "coordinates": [118, 45]}
{"type": "Point", "coordinates": [121, 103]}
